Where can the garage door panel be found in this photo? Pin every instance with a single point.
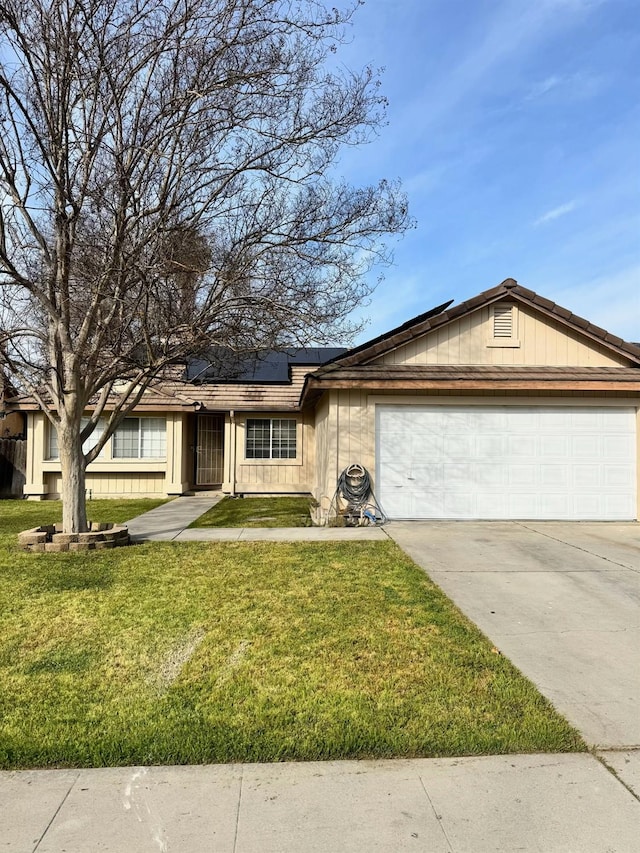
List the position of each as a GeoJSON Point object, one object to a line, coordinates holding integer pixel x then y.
{"type": "Point", "coordinates": [617, 446]}
{"type": "Point", "coordinates": [490, 505]}
{"type": "Point", "coordinates": [587, 505]}
{"type": "Point", "coordinates": [490, 446]}
{"type": "Point", "coordinates": [554, 477]}
{"type": "Point", "coordinates": [425, 447]}
{"type": "Point", "coordinates": [523, 505]}
{"type": "Point", "coordinates": [495, 419]}
{"type": "Point", "coordinates": [456, 420]}
{"type": "Point", "coordinates": [458, 446]}
{"type": "Point", "coordinates": [555, 506]}
{"type": "Point", "coordinates": [554, 445]}
{"type": "Point", "coordinates": [430, 505]}
{"type": "Point", "coordinates": [431, 473]}
{"type": "Point", "coordinates": [586, 476]}
{"type": "Point", "coordinates": [490, 476]}
{"type": "Point", "coordinates": [619, 506]}
{"type": "Point", "coordinates": [458, 505]}
{"type": "Point", "coordinates": [586, 446]}
{"type": "Point", "coordinates": [618, 476]}
{"type": "Point", "coordinates": [507, 462]}
{"type": "Point", "coordinates": [585, 420]}
{"type": "Point", "coordinates": [522, 446]}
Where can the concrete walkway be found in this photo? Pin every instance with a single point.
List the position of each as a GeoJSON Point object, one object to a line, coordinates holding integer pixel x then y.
{"type": "Point", "coordinates": [170, 519]}
{"type": "Point", "coordinates": [171, 522]}
{"type": "Point", "coordinates": [550, 803]}
{"type": "Point", "coordinates": [560, 600]}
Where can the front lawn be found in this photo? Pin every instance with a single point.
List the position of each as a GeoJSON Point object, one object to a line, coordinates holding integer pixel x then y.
{"type": "Point", "coordinates": [257, 512]}
{"type": "Point", "coordinates": [216, 652]}
{"type": "Point", "coordinates": [22, 515]}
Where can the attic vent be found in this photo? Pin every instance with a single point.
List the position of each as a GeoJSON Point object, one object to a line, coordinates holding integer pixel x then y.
{"type": "Point", "coordinates": [503, 325]}
{"type": "Point", "coordinates": [503, 321]}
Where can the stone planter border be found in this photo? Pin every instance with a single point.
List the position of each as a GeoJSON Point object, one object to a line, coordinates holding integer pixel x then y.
{"type": "Point", "coordinates": [49, 537]}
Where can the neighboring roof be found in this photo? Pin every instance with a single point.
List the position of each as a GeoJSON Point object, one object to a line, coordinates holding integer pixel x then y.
{"type": "Point", "coordinates": [469, 378]}
{"type": "Point", "coordinates": [268, 367]}
{"type": "Point", "coordinates": [509, 288]}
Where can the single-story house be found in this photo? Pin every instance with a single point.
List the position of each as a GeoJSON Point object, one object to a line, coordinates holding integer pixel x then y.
{"type": "Point", "coordinates": [504, 406]}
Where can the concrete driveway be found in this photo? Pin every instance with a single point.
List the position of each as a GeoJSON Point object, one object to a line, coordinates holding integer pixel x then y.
{"type": "Point", "coordinates": [561, 600]}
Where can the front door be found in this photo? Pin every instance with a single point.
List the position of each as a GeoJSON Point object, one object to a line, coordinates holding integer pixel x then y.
{"type": "Point", "coordinates": [210, 450]}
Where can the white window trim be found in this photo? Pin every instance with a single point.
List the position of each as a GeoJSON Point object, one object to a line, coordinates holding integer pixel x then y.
{"type": "Point", "coordinates": [106, 454]}
{"type": "Point", "coordinates": [243, 459]}
{"type": "Point", "coordinates": [139, 456]}
{"type": "Point", "coordinates": [512, 341]}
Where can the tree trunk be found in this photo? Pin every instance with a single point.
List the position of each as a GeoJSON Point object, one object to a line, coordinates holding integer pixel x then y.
{"type": "Point", "coordinates": [72, 464]}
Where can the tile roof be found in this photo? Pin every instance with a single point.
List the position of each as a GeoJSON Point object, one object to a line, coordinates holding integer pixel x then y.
{"type": "Point", "coordinates": [444, 314]}
{"type": "Point", "coordinates": [453, 377]}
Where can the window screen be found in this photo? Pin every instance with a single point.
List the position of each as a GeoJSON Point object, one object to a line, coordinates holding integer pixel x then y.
{"type": "Point", "coordinates": [140, 438]}
{"type": "Point", "coordinates": [271, 438]}
{"type": "Point", "coordinates": [89, 443]}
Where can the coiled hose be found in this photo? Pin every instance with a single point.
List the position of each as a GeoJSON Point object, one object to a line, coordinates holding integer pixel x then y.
{"type": "Point", "coordinates": [355, 484]}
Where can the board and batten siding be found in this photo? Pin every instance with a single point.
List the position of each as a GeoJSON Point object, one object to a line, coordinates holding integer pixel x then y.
{"type": "Point", "coordinates": [325, 455]}
{"type": "Point", "coordinates": [277, 476]}
{"type": "Point", "coordinates": [105, 484]}
{"type": "Point", "coordinates": [541, 342]}
{"type": "Point", "coordinates": [345, 429]}
{"type": "Point", "coordinates": [108, 477]}
{"type": "Point", "coordinates": [344, 436]}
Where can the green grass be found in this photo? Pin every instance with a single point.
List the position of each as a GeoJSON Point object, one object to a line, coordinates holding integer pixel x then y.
{"type": "Point", "coordinates": [22, 515]}
{"type": "Point", "coordinates": [216, 652]}
{"type": "Point", "coordinates": [257, 512]}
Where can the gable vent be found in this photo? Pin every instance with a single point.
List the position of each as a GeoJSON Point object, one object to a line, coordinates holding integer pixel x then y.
{"type": "Point", "coordinates": [503, 321]}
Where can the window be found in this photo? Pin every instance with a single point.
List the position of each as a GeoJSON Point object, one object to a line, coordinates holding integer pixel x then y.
{"type": "Point", "coordinates": [140, 438]}
{"type": "Point", "coordinates": [54, 450]}
{"type": "Point", "coordinates": [271, 438]}
{"type": "Point", "coordinates": [504, 325]}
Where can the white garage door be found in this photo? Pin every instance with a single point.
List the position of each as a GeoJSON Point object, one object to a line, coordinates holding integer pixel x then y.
{"type": "Point", "coordinates": [491, 462]}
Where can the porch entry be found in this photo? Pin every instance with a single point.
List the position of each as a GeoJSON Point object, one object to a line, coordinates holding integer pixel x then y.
{"type": "Point", "coordinates": [209, 450]}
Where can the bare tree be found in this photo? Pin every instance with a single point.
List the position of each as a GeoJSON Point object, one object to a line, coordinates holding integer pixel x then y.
{"type": "Point", "coordinates": [167, 182]}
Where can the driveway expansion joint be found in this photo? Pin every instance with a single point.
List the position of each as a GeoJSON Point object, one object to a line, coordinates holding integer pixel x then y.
{"type": "Point", "coordinates": [615, 773]}
{"type": "Point", "coordinates": [577, 547]}
{"type": "Point", "coordinates": [57, 812]}
{"type": "Point", "coordinates": [237, 823]}
{"type": "Point", "coordinates": [437, 816]}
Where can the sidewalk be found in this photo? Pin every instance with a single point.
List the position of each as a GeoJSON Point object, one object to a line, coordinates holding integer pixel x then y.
{"type": "Point", "coordinates": [171, 522]}
{"type": "Point", "coordinates": [477, 805]}
{"type": "Point", "coordinates": [580, 803]}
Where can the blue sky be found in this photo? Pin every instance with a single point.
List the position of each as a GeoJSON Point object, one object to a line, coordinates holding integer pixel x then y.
{"type": "Point", "coordinates": [514, 126]}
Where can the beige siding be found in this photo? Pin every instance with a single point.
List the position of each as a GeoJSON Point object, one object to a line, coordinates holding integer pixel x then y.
{"type": "Point", "coordinates": [346, 425]}
{"type": "Point", "coordinates": [272, 476]}
{"type": "Point", "coordinates": [324, 456]}
{"type": "Point", "coordinates": [108, 477]}
{"type": "Point", "coordinates": [105, 484]}
{"type": "Point", "coordinates": [542, 342]}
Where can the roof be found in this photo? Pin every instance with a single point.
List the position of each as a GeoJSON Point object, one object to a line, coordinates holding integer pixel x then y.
{"type": "Point", "coordinates": [267, 367]}
{"type": "Point", "coordinates": [354, 368]}
{"type": "Point", "coordinates": [455, 378]}
{"type": "Point", "coordinates": [266, 381]}
{"type": "Point", "coordinates": [421, 318]}
{"type": "Point", "coordinates": [442, 315]}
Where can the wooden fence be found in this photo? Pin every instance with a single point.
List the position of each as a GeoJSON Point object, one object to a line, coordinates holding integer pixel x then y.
{"type": "Point", "coordinates": [13, 467]}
